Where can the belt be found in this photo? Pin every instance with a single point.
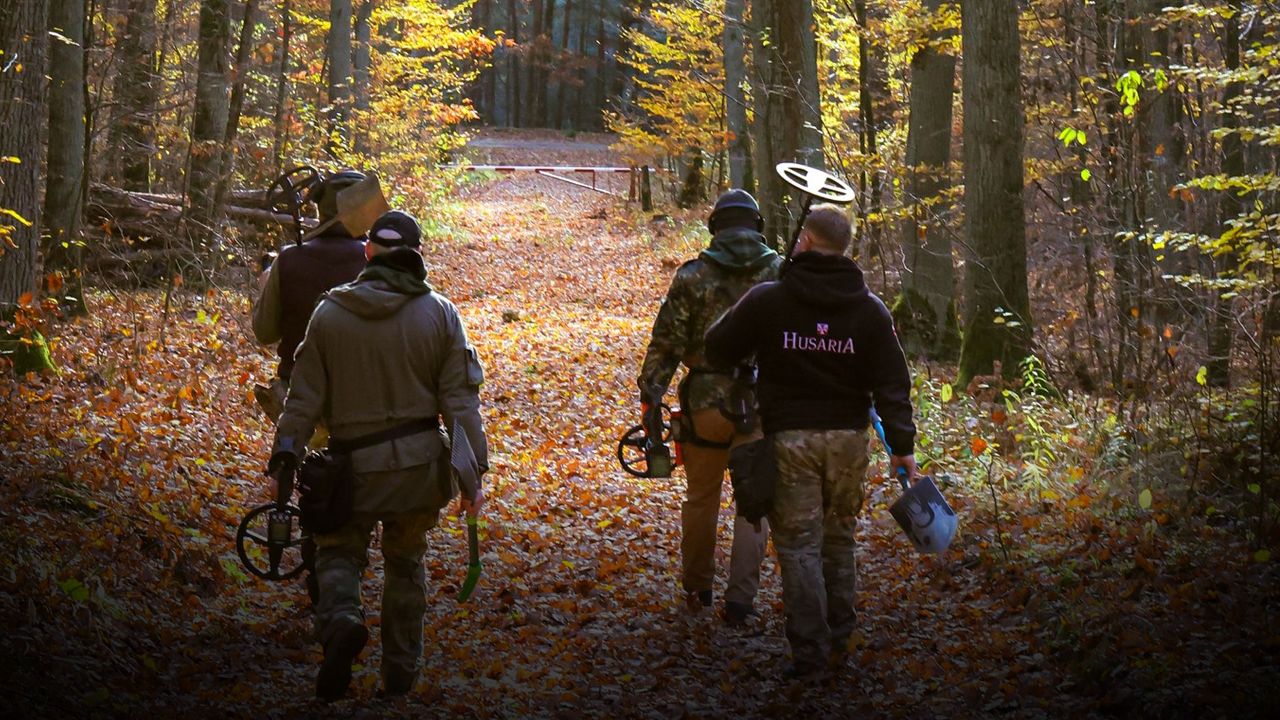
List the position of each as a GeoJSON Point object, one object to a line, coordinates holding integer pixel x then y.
{"type": "Point", "coordinates": [413, 427]}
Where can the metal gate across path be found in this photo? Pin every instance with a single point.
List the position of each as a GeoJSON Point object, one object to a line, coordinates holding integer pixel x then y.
{"type": "Point", "coordinates": [639, 176]}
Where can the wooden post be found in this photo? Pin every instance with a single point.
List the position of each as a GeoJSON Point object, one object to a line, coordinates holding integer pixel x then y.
{"type": "Point", "coordinates": [646, 195]}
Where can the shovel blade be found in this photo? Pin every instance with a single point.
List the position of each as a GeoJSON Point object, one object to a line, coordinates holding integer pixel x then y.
{"type": "Point", "coordinates": [359, 205]}
{"type": "Point", "coordinates": [926, 518]}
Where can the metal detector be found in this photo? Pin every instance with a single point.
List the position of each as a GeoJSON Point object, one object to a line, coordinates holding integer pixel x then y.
{"type": "Point", "coordinates": [813, 183]}
{"type": "Point", "coordinates": [283, 532]}
{"type": "Point", "coordinates": [287, 194]}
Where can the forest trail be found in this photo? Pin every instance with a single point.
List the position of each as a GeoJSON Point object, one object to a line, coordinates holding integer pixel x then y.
{"type": "Point", "coordinates": [134, 586]}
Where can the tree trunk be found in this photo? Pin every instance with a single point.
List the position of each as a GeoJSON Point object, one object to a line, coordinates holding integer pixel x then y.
{"type": "Point", "coordinates": [282, 86]}
{"type": "Point", "coordinates": [23, 34]}
{"type": "Point", "coordinates": [1163, 153]}
{"type": "Point", "coordinates": [691, 193]}
{"type": "Point", "coordinates": [1231, 206]}
{"type": "Point", "coordinates": [735, 77]}
{"type": "Point", "coordinates": [604, 70]}
{"type": "Point", "coordinates": [926, 312]}
{"type": "Point", "coordinates": [998, 317]}
{"type": "Point", "coordinates": [363, 67]}
{"type": "Point", "coordinates": [210, 123]}
{"type": "Point", "coordinates": [243, 57]}
{"type": "Point", "coordinates": [562, 84]}
{"type": "Point", "coordinates": [789, 128]}
{"type": "Point", "coordinates": [137, 90]}
{"type": "Point", "coordinates": [339, 60]}
{"type": "Point", "coordinates": [513, 68]}
{"type": "Point", "coordinates": [64, 201]}
{"type": "Point", "coordinates": [869, 179]}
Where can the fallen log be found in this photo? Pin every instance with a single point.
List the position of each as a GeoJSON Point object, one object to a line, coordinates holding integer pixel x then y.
{"type": "Point", "coordinates": [126, 209]}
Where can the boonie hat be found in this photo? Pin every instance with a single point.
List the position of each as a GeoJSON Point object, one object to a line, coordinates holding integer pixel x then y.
{"type": "Point", "coordinates": [396, 228]}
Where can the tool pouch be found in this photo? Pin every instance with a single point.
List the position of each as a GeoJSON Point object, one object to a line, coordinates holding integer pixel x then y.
{"type": "Point", "coordinates": [326, 483]}
{"type": "Point", "coordinates": [753, 470]}
{"type": "Point", "coordinates": [326, 479]}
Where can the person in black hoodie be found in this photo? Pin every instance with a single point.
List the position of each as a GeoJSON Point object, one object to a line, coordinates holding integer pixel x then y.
{"type": "Point", "coordinates": [826, 351]}
{"type": "Point", "coordinates": [701, 290]}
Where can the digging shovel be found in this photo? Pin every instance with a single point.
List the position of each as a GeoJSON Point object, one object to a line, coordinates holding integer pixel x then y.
{"type": "Point", "coordinates": [922, 512]}
{"type": "Point", "coordinates": [358, 206]}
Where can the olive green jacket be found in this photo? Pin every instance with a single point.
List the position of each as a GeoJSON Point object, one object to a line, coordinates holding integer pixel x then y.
{"type": "Point", "coordinates": [380, 352]}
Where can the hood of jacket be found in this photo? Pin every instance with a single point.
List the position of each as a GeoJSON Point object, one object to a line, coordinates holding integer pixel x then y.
{"type": "Point", "coordinates": [390, 280]}
{"type": "Point", "coordinates": [824, 280]}
{"type": "Point", "coordinates": [739, 249]}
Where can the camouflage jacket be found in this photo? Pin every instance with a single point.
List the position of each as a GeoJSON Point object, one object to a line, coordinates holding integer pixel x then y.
{"type": "Point", "coordinates": [700, 292]}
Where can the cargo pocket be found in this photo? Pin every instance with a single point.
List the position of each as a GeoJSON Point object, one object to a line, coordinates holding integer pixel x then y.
{"type": "Point", "coordinates": [475, 373]}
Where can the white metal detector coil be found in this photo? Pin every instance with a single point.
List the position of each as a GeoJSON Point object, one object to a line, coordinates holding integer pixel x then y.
{"type": "Point", "coordinates": [816, 183]}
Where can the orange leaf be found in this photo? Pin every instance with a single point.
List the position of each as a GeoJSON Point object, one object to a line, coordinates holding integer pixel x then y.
{"type": "Point", "coordinates": [24, 300]}
{"type": "Point", "coordinates": [977, 445]}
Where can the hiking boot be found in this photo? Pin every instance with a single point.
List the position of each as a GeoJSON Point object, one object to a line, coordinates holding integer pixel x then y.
{"type": "Point", "coordinates": [397, 681]}
{"type": "Point", "coordinates": [345, 643]}
{"type": "Point", "coordinates": [736, 614]}
{"type": "Point", "coordinates": [696, 600]}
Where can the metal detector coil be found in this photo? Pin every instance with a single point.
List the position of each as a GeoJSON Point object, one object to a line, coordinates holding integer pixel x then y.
{"type": "Point", "coordinates": [816, 183]}
{"type": "Point", "coordinates": [283, 532]}
{"type": "Point", "coordinates": [288, 193]}
{"type": "Point", "coordinates": [634, 447]}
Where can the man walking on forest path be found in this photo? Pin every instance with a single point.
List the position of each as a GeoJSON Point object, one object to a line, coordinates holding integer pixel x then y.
{"type": "Point", "coordinates": [293, 285]}
{"type": "Point", "coordinates": [826, 350]}
{"type": "Point", "coordinates": [702, 289]}
{"type": "Point", "coordinates": [383, 360]}
{"type": "Point", "coordinates": [297, 279]}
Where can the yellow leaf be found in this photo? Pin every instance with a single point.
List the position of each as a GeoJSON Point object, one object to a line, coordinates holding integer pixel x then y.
{"type": "Point", "coordinates": [947, 392]}
{"type": "Point", "coordinates": [15, 216]}
{"type": "Point", "coordinates": [1262, 555]}
{"type": "Point", "coordinates": [1144, 499]}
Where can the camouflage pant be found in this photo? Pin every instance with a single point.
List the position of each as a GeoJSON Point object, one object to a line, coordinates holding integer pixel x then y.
{"type": "Point", "coordinates": [700, 514]}
{"type": "Point", "coordinates": [819, 493]}
{"type": "Point", "coordinates": [341, 558]}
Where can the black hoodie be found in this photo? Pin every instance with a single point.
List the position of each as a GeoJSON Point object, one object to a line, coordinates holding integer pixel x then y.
{"type": "Point", "coordinates": [825, 346]}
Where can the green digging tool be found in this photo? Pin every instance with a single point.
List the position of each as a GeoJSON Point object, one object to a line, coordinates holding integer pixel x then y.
{"type": "Point", "coordinates": [473, 567]}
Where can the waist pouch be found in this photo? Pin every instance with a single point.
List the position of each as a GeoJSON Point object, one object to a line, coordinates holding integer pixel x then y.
{"type": "Point", "coordinates": [326, 480]}
{"type": "Point", "coordinates": [753, 471]}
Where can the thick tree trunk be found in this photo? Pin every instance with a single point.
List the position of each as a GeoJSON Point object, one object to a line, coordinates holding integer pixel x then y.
{"type": "Point", "coordinates": [210, 124]}
{"type": "Point", "coordinates": [998, 317]}
{"type": "Point", "coordinates": [23, 34]}
{"type": "Point", "coordinates": [788, 111]}
{"type": "Point", "coordinates": [926, 312]}
{"type": "Point", "coordinates": [64, 200]}
{"type": "Point", "coordinates": [137, 89]}
{"type": "Point", "coordinates": [363, 66]}
{"type": "Point", "coordinates": [735, 78]}
{"type": "Point", "coordinates": [339, 60]}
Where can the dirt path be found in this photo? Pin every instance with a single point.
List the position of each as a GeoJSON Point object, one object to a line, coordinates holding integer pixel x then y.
{"type": "Point", "coordinates": [121, 481]}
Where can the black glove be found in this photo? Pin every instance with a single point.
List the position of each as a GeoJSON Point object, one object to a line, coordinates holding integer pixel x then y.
{"type": "Point", "coordinates": [283, 460]}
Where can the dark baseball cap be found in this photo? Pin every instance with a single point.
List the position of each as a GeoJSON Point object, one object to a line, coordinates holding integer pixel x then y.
{"type": "Point", "coordinates": [396, 228]}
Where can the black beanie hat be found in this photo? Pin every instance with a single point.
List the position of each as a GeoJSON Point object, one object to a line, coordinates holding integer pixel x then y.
{"type": "Point", "coordinates": [396, 228]}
